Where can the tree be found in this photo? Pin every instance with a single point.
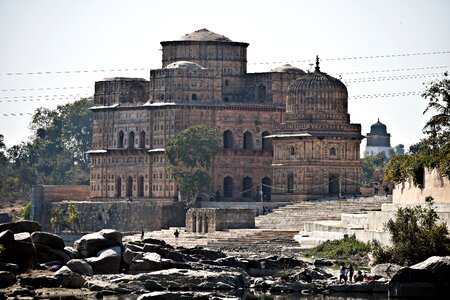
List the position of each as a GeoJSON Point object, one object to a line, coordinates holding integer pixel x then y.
{"type": "Point", "coordinates": [432, 151]}
{"type": "Point", "coordinates": [190, 154]}
{"type": "Point", "coordinates": [370, 164]}
{"type": "Point", "coordinates": [415, 235]}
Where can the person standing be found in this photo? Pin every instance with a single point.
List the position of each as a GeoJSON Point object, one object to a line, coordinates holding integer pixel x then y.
{"type": "Point", "coordinates": [342, 273]}
{"type": "Point", "coordinates": [350, 272]}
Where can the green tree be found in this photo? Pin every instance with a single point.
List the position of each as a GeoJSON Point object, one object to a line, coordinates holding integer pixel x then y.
{"type": "Point", "coordinates": [370, 164]}
{"type": "Point", "coordinates": [65, 219]}
{"type": "Point", "coordinates": [415, 234]}
{"type": "Point", "coordinates": [432, 151]}
{"type": "Point", "coordinates": [190, 154]}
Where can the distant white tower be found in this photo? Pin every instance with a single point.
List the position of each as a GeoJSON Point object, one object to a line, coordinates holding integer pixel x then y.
{"type": "Point", "coordinates": [378, 140]}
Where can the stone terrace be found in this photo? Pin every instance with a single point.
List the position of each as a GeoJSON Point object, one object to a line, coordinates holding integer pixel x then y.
{"type": "Point", "coordinates": [274, 232]}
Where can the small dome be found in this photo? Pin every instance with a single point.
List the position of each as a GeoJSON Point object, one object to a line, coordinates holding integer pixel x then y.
{"type": "Point", "coordinates": [378, 129]}
{"type": "Point", "coordinates": [287, 68]}
{"type": "Point", "coordinates": [204, 35]}
{"type": "Point", "coordinates": [184, 65]}
{"type": "Point", "coordinates": [317, 91]}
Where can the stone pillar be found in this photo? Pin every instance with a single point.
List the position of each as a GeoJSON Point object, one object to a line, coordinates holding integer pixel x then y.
{"type": "Point", "coordinates": [199, 224]}
{"type": "Point", "coordinates": [205, 224]}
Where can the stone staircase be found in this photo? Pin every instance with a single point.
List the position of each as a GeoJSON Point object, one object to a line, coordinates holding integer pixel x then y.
{"type": "Point", "coordinates": [274, 232]}
{"type": "Point", "coordinates": [293, 217]}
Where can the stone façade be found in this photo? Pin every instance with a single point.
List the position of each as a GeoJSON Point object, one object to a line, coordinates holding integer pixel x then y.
{"type": "Point", "coordinates": [204, 80]}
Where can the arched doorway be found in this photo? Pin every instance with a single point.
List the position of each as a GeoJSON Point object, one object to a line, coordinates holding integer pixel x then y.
{"type": "Point", "coordinates": [142, 140]}
{"type": "Point", "coordinates": [247, 187]}
{"type": "Point", "coordinates": [266, 143]}
{"type": "Point", "coordinates": [248, 140]}
{"type": "Point", "coordinates": [141, 186]}
{"type": "Point", "coordinates": [290, 187]}
{"type": "Point", "coordinates": [266, 188]}
{"type": "Point", "coordinates": [228, 187]}
{"type": "Point", "coordinates": [131, 140]}
{"type": "Point", "coordinates": [130, 187]}
{"type": "Point", "coordinates": [120, 140]}
{"type": "Point", "coordinates": [333, 184]}
{"type": "Point", "coordinates": [261, 93]}
{"type": "Point", "coordinates": [227, 139]}
{"type": "Point", "coordinates": [118, 187]}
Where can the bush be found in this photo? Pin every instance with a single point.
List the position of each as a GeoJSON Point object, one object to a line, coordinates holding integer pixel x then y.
{"type": "Point", "coordinates": [415, 234]}
{"type": "Point", "coordinates": [339, 249]}
{"type": "Point", "coordinates": [26, 211]}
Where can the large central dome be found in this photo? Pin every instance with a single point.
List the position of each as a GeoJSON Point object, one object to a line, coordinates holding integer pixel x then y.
{"type": "Point", "coordinates": [317, 92]}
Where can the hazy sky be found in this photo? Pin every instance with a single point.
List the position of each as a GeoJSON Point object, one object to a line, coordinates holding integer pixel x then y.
{"type": "Point", "coordinates": [368, 43]}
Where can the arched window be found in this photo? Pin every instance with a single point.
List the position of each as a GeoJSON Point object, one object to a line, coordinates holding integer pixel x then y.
{"type": "Point", "coordinates": [120, 140]}
{"type": "Point", "coordinates": [228, 187]}
{"type": "Point", "coordinates": [261, 93]}
{"type": "Point", "coordinates": [130, 187]}
{"type": "Point", "coordinates": [142, 139]}
{"type": "Point", "coordinates": [141, 186]}
{"type": "Point", "coordinates": [131, 140]}
{"type": "Point", "coordinates": [248, 140]}
{"type": "Point", "coordinates": [266, 143]}
{"type": "Point", "coordinates": [290, 183]}
{"type": "Point", "coordinates": [266, 188]}
{"type": "Point", "coordinates": [194, 97]}
{"type": "Point", "coordinates": [247, 187]}
{"type": "Point", "coordinates": [118, 187]}
{"type": "Point", "coordinates": [227, 139]}
{"type": "Point", "coordinates": [333, 151]}
{"type": "Point", "coordinates": [292, 151]}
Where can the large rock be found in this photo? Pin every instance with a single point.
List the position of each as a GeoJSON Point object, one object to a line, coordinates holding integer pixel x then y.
{"type": "Point", "coordinates": [6, 238]}
{"type": "Point", "coordinates": [413, 283]}
{"type": "Point", "coordinates": [107, 261]}
{"type": "Point", "coordinates": [21, 226]}
{"type": "Point", "coordinates": [72, 252]}
{"type": "Point", "coordinates": [385, 270]}
{"type": "Point", "coordinates": [80, 266]}
{"type": "Point", "coordinates": [21, 253]}
{"type": "Point", "coordinates": [49, 239]}
{"type": "Point", "coordinates": [182, 279]}
{"type": "Point", "coordinates": [39, 281]}
{"type": "Point", "coordinates": [439, 266]}
{"type": "Point", "coordinates": [128, 256]}
{"type": "Point", "coordinates": [69, 279]}
{"type": "Point", "coordinates": [46, 254]}
{"type": "Point", "coordinates": [7, 279]}
{"type": "Point", "coordinates": [89, 244]}
{"type": "Point", "coordinates": [175, 295]}
{"type": "Point", "coordinates": [23, 237]}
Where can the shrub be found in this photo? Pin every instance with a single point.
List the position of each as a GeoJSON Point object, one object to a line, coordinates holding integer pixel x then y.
{"type": "Point", "coordinates": [339, 249]}
{"type": "Point", "coordinates": [415, 234]}
{"type": "Point", "coordinates": [26, 211]}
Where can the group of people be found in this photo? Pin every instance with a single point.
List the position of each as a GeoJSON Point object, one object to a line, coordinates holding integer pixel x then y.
{"type": "Point", "coordinates": [346, 273]}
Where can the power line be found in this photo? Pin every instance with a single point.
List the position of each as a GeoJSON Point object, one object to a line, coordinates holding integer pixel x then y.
{"type": "Point", "coordinates": [251, 63]}
{"type": "Point", "coordinates": [364, 96]}
{"type": "Point", "coordinates": [41, 98]}
{"type": "Point", "coordinates": [47, 88]}
{"type": "Point", "coordinates": [394, 70]}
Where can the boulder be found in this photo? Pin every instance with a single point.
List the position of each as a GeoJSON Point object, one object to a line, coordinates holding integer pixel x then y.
{"type": "Point", "coordinates": [439, 266]}
{"type": "Point", "coordinates": [199, 253]}
{"type": "Point", "coordinates": [72, 252]}
{"type": "Point", "coordinates": [48, 239]}
{"type": "Point", "coordinates": [46, 253]}
{"type": "Point", "coordinates": [134, 247]}
{"type": "Point", "coordinates": [323, 262]}
{"type": "Point", "coordinates": [413, 283]}
{"type": "Point", "coordinates": [151, 262]}
{"type": "Point", "coordinates": [154, 241]}
{"type": "Point", "coordinates": [7, 279]}
{"type": "Point", "coordinates": [151, 248]}
{"type": "Point", "coordinates": [107, 261]}
{"type": "Point", "coordinates": [128, 256]}
{"type": "Point", "coordinates": [80, 266]}
{"type": "Point", "coordinates": [39, 281]}
{"type": "Point", "coordinates": [89, 244]}
{"type": "Point", "coordinates": [21, 226]}
{"type": "Point", "coordinates": [69, 279]}
{"type": "Point", "coordinates": [182, 279]}
{"type": "Point", "coordinates": [385, 270]}
{"type": "Point", "coordinates": [112, 234]}
{"type": "Point", "coordinates": [6, 238]}
{"type": "Point", "coordinates": [10, 267]}
{"type": "Point", "coordinates": [23, 237]}
{"type": "Point", "coordinates": [175, 295]}
{"type": "Point", "coordinates": [21, 253]}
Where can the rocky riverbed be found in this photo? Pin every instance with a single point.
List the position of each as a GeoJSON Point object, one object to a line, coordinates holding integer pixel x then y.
{"type": "Point", "coordinates": [36, 264]}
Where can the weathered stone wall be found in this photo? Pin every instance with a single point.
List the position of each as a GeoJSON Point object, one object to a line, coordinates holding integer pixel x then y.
{"type": "Point", "coordinates": [204, 220]}
{"type": "Point", "coordinates": [435, 185]}
{"type": "Point", "coordinates": [123, 216]}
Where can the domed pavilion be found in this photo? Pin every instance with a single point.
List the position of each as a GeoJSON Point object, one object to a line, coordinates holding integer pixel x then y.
{"type": "Point", "coordinates": [316, 148]}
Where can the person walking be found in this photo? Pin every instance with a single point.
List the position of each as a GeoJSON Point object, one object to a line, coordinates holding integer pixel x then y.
{"type": "Point", "coordinates": [176, 234]}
